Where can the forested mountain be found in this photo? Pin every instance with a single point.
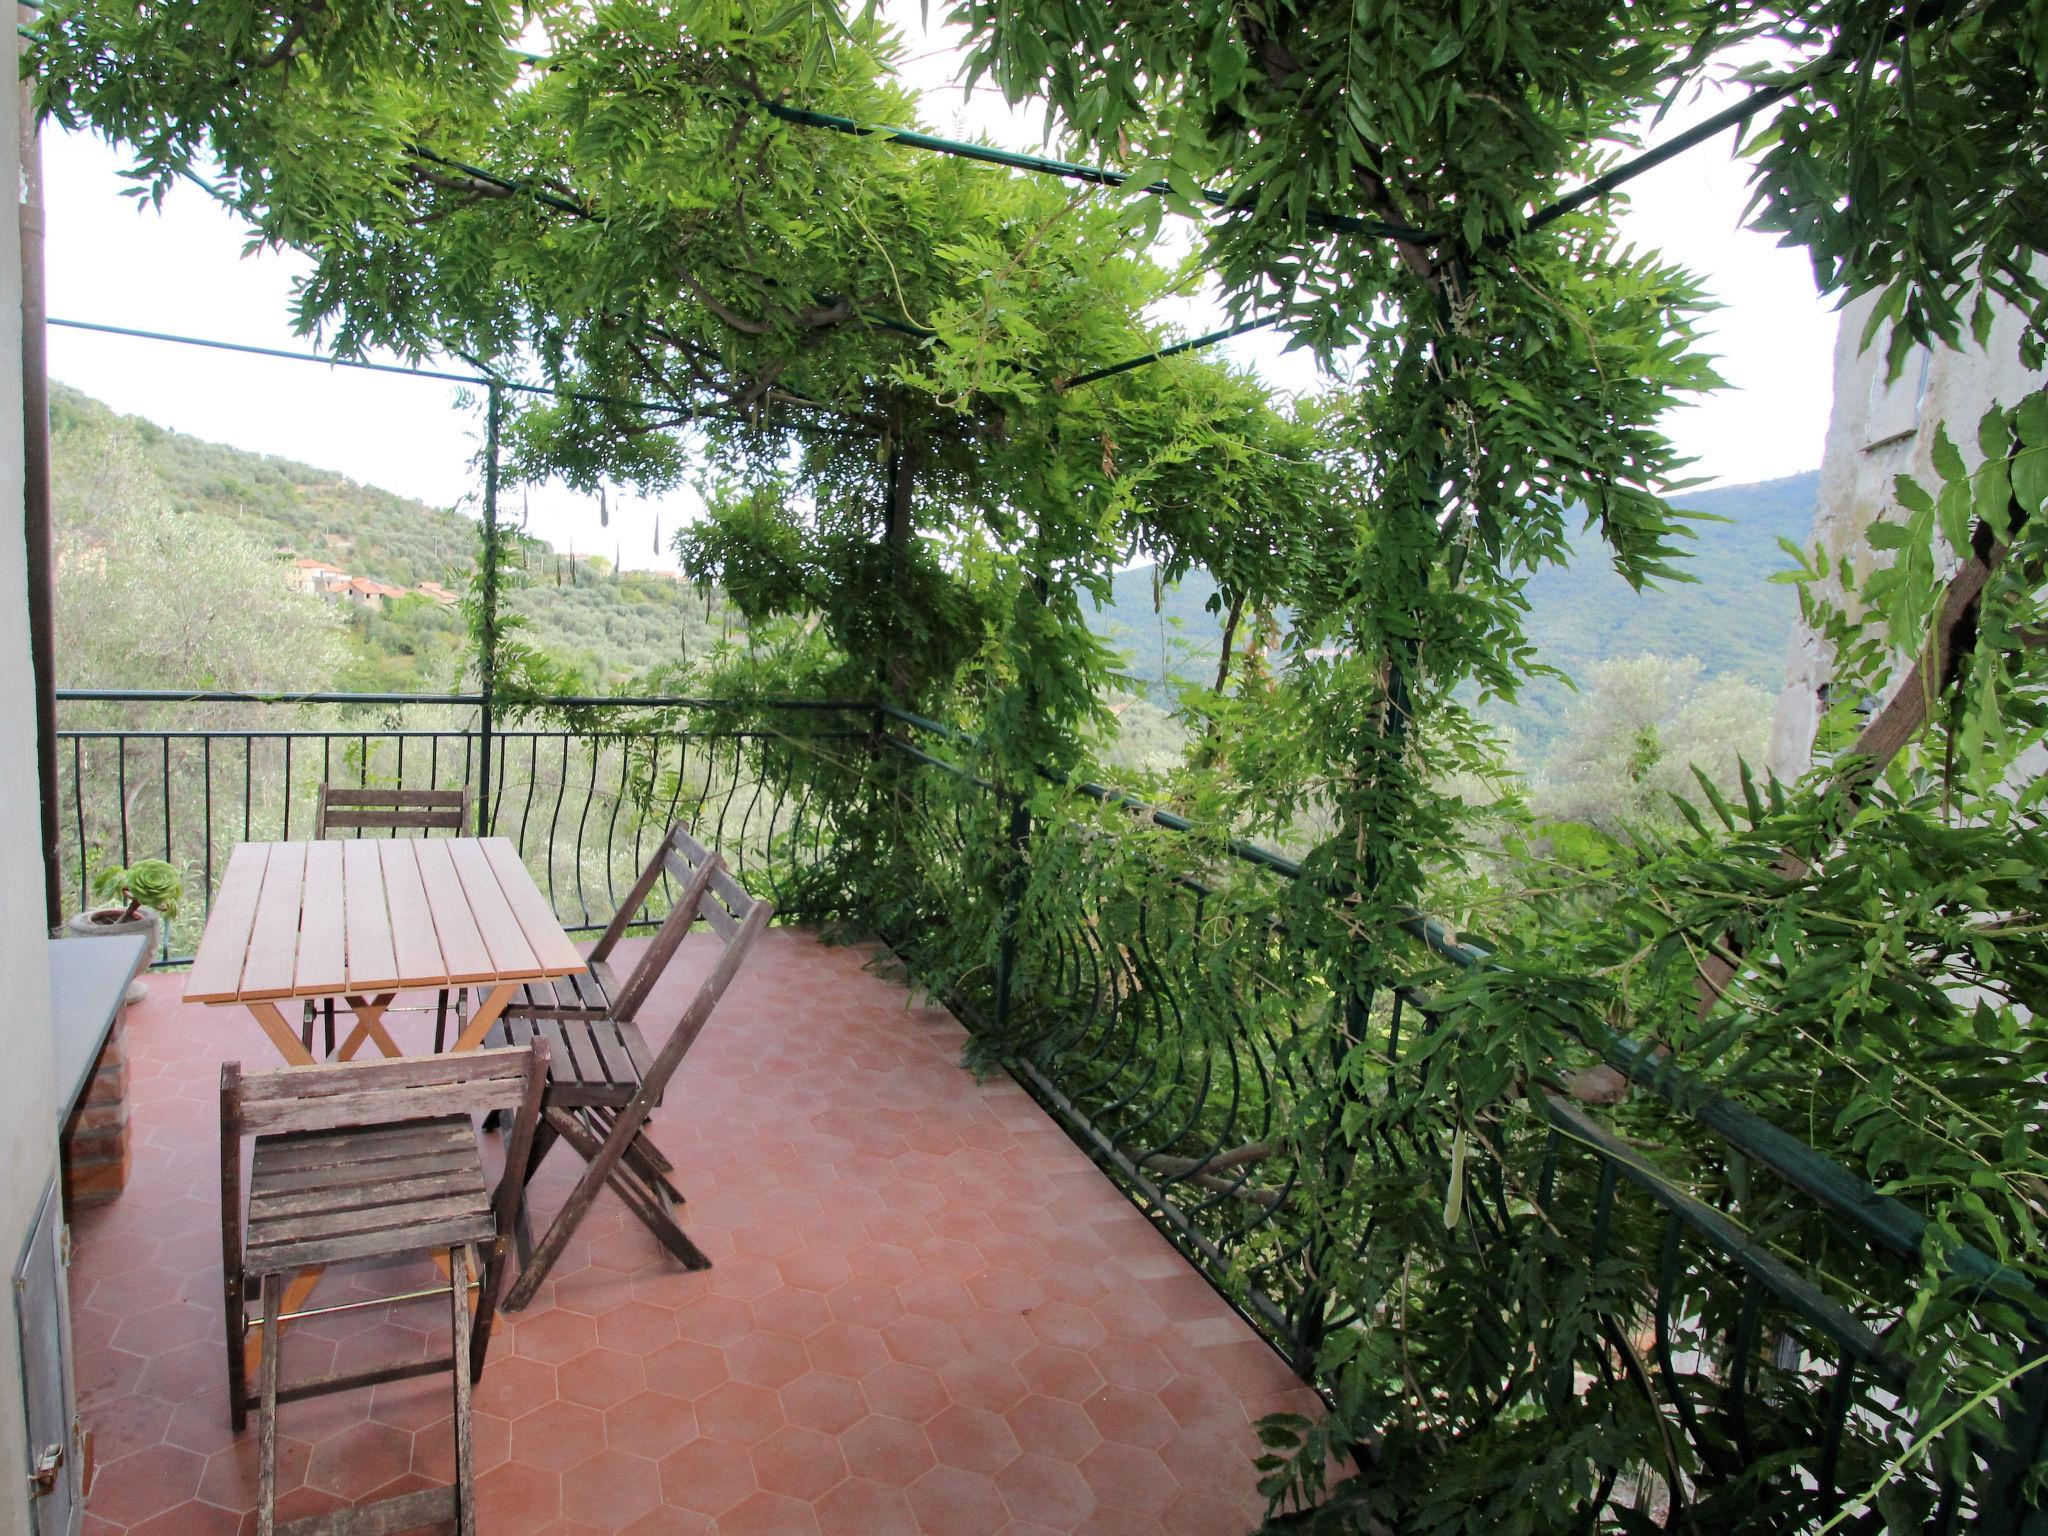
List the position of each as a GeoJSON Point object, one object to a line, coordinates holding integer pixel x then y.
{"type": "Point", "coordinates": [1731, 618]}
{"type": "Point", "coordinates": [196, 496]}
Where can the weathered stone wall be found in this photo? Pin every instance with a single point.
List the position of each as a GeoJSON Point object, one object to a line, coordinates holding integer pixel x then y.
{"type": "Point", "coordinates": [1880, 429]}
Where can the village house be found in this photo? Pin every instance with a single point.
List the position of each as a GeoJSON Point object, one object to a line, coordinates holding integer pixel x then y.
{"type": "Point", "coordinates": [318, 578]}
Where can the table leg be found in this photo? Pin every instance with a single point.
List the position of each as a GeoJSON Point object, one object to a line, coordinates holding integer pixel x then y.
{"type": "Point", "coordinates": [282, 1035]}
{"type": "Point", "coordinates": [369, 1012]}
{"type": "Point", "coordinates": [481, 1021]}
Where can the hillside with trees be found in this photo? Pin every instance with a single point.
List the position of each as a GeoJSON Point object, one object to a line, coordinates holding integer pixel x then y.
{"type": "Point", "coordinates": [147, 517]}
{"type": "Point", "coordinates": [1729, 619]}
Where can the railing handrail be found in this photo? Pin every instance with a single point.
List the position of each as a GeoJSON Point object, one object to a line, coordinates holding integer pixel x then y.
{"type": "Point", "coordinates": [502, 701]}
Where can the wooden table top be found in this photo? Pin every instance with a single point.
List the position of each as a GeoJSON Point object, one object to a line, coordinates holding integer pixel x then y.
{"type": "Point", "coordinates": [368, 915]}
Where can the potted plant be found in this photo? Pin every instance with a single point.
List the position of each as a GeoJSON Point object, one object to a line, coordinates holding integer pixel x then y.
{"type": "Point", "coordinates": [138, 900]}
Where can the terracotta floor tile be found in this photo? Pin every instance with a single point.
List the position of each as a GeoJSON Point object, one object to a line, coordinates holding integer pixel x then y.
{"type": "Point", "coordinates": [845, 1349]}
{"type": "Point", "coordinates": [363, 1457]}
{"type": "Point", "coordinates": [1130, 1417]}
{"type": "Point", "coordinates": [924, 1341]}
{"type": "Point", "coordinates": [802, 1463]}
{"type": "Point", "coordinates": [610, 1489]}
{"type": "Point", "coordinates": [950, 1502]}
{"type": "Point", "coordinates": [739, 1413]}
{"type": "Point", "coordinates": [861, 1508]}
{"type": "Point", "coordinates": [1125, 1477]}
{"type": "Point", "coordinates": [830, 1404]}
{"type": "Point", "coordinates": [650, 1424]}
{"type": "Point", "coordinates": [557, 1435]}
{"type": "Point", "coordinates": [971, 1439]}
{"type": "Point", "coordinates": [600, 1378]}
{"type": "Point", "coordinates": [665, 1520]}
{"type": "Point", "coordinates": [908, 1392]}
{"type": "Point", "coordinates": [1049, 1426]}
{"type": "Point", "coordinates": [1053, 1371]}
{"type": "Point", "coordinates": [146, 1482]}
{"type": "Point", "coordinates": [885, 1450]}
{"type": "Point", "coordinates": [976, 1382]}
{"type": "Point", "coordinates": [683, 1369]}
{"type": "Point", "coordinates": [706, 1477]}
{"type": "Point", "coordinates": [769, 1514]}
{"type": "Point", "coordinates": [927, 1312]}
{"type": "Point", "coordinates": [1047, 1491]}
{"type": "Point", "coordinates": [767, 1360]}
{"type": "Point", "coordinates": [636, 1328]}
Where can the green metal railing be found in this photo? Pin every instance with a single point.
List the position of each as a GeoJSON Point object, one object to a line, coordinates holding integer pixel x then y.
{"type": "Point", "coordinates": [1146, 1024]}
{"type": "Point", "coordinates": [186, 776]}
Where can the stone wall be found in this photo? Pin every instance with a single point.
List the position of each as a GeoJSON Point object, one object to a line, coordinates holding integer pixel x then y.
{"type": "Point", "coordinates": [28, 1114]}
{"type": "Point", "coordinates": [1880, 429]}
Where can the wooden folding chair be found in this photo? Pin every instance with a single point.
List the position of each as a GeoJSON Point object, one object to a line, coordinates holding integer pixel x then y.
{"type": "Point", "coordinates": [370, 1160]}
{"type": "Point", "coordinates": [603, 1083]}
{"type": "Point", "coordinates": [346, 808]}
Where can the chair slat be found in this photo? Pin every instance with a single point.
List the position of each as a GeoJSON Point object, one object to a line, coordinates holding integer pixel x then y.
{"type": "Point", "coordinates": [346, 808]}
{"type": "Point", "coordinates": [415, 1165]}
{"type": "Point", "coordinates": [395, 1186]}
{"type": "Point", "coordinates": [423, 1236]}
{"type": "Point", "coordinates": [712, 911]}
{"type": "Point", "coordinates": [324, 1152]}
{"type": "Point", "coordinates": [268, 1230]}
{"type": "Point", "coordinates": [442, 799]}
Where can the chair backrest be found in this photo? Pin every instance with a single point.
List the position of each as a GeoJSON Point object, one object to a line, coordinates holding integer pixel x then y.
{"type": "Point", "coordinates": [735, 916]}
{"type": "Point", "coordinates": [336, 1096]}
{"type": "Point", "coordinates": [346, 808]}
{"type": "Point", "coordinates": [706, 891]}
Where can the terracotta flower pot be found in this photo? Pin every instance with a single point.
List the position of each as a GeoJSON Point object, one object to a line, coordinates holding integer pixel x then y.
{"type": "Point", "coordinates": [105, 920]}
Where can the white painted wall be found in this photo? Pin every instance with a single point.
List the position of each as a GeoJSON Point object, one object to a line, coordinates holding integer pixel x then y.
{"type": "Point", "coordinates": [1880, 429]}
{"type": "Point", "coordinates": [28, 1128]}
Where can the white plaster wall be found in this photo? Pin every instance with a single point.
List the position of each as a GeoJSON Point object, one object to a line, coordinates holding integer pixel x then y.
{"type": "Point", "coordinates": [28, 1129]}
{"type": "Point", "coordinates": [1878, 430]}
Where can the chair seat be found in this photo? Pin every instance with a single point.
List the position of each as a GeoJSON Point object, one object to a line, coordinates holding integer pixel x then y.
{"type": "Point", "coordinates": [586, 993]}
{"type": "Point", "coordinates": [590, 1061]}
{"type": "Point", "coordinates": [325, 1196]}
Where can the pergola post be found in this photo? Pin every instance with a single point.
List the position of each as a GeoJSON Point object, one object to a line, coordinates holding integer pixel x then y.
{"type": "Point", "coordinates": [487, 661]}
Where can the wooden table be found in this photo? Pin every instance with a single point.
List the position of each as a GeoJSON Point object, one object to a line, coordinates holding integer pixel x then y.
{"type": "Point", "coordinates": [367, 918]}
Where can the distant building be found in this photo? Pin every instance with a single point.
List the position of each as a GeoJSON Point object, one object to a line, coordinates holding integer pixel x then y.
{"type": "Point", "coordinates": [436, 592]}
{"type": "Point", "coordinates": [317, 578]}
{"type": "Point", "coordinates": [1882, 428]}
{"type": "Point", "coordinates": [365, 593]}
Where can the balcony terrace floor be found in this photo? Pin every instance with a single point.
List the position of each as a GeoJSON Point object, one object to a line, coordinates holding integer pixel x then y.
{"type": "Point", "coordinates": [928, 1311]}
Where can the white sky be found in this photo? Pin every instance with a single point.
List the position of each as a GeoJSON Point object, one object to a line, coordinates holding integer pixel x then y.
{"type": "Point", "coordinates": [183, 271]}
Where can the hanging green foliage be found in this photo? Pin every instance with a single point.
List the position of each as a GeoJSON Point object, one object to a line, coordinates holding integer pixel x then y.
{"type": "Point", "coordinates": [868, 355]}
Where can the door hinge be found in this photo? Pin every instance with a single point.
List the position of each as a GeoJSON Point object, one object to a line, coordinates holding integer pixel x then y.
{"type": "Point", "coordinates": [42, 1478]}
{"type": "Point", "coordinates": [64, 1245]}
